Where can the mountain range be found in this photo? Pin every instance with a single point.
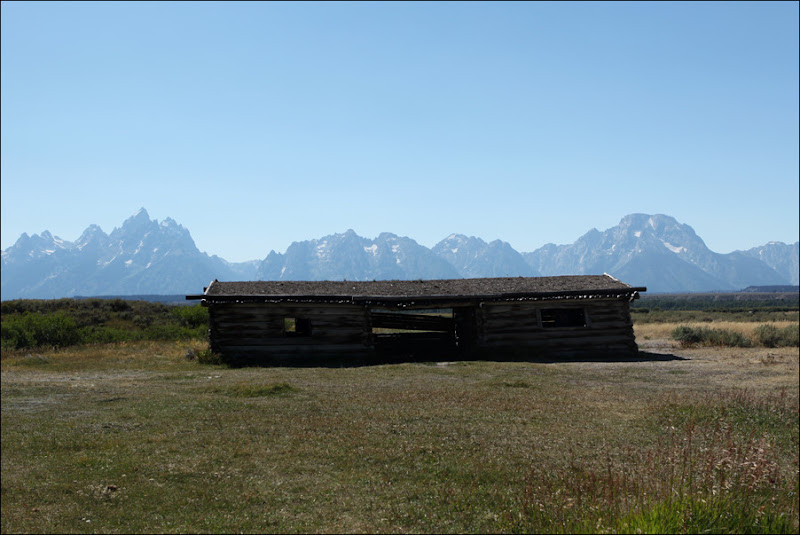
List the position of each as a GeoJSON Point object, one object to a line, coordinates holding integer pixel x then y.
{"type": "Point", "coordinates": [145, 256]}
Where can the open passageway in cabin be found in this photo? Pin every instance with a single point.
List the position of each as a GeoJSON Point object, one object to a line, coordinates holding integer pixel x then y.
{"type": "Point", "coordinates": [420, 333]}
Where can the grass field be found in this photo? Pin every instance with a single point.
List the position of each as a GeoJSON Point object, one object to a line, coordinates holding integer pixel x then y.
{"type": "Point", "coordinates": [133, 437]}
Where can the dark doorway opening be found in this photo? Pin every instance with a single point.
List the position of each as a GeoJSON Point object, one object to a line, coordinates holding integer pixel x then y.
{"type": "Point", "coordinates": [429, 333]}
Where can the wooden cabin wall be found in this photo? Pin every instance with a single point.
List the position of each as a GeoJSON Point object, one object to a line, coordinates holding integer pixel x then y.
{"type": "Point", "coordinates": [253, 333]}
{"type": "Point", "coordinates": [516, 327]}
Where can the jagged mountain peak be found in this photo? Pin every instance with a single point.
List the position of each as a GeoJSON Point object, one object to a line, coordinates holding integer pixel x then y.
{"type": "Point", "coordinates": [642, 221]}
{"type": "Point", "coordinates": [142, 256]}
{"type": "Point", "coordinates": [145, 256]}
{"type": "Point", "coordinates": [459, 242]}
{"type": "Point", "coordinates": [783, 258]}
{"type": "Point", "coordinates": [353, 257]}
{"type": "Point", "coordinates": [47, 242]}
{"type": "Point", "coordinates": [644, 245]}
{"type": "Point", "coordinates": [136, 225]}
{"type": "Point", "coordinates": [460, 237]}
{"type": "Point", "coordinates": [387, 236]}
{"type": "Point", "coordinates": [93, 235]}
{"type": "Point", "coordinates": [141, 213]}
{"type": "Point", "coordinates": [349, 233]}
{"type": "Point", "coordinates": [592, 233]}
{"type": "Point", "coordinates": [660, 226]}
{"type": "Point", "coordinates": [473, 257]}
{"type": "Point", "coordinates": [91, 231]}
{"type": "Point", "coordinates": [340, 237]}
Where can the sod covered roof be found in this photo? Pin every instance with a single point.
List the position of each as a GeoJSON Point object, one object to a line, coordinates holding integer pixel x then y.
{"type": "Point", "coordinates": [500, 288]}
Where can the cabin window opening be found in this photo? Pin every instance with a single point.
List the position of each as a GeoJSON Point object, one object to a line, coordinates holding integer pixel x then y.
{"type": "Point", "coordinates": [296, 327]}
{"type": "Point", "coordinates": [563, 317]}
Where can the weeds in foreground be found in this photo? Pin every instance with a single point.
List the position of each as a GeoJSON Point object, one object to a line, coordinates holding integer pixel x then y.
{"type": "Point", "coordinates": [718, 467]}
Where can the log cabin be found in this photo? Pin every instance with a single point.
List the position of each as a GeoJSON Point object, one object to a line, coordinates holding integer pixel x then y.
{"type": "Point", "coordinates": [299, 323]}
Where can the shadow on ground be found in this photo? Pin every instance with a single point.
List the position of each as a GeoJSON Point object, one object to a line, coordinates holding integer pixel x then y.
{"type": "Point", "coordinates": [427, 358]}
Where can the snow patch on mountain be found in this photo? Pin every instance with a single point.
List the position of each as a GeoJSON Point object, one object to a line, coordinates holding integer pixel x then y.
{"type": "Point", "coordinates": [673, 248]}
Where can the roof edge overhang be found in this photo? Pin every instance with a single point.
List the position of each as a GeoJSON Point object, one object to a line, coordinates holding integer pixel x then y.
{"type": "Point", "coordinates": [630, 293]}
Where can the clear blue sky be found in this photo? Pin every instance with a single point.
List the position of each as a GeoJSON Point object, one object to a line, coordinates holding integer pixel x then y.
{"type": "Point", "coordinates": [259, 124]}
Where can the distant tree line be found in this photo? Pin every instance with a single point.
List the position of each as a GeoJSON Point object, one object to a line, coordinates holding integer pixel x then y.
{"type": "Point", "coordinates": [721, 302]}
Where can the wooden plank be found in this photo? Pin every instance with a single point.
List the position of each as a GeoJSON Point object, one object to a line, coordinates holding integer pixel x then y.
{"type": "Point", "coordinates": [284, 311]}
{"type": "Point", "coordinates": [277, 324]}
{"type": "Point", "coordinates": [529, 316]}
{"type": "Point", "coordinates": [567, 332]}
{"type": "Point", "coordinates": [558, 342]}
{"type": "Point", "coordinates": [411, 322]}
{"type": "Point", "coordinates": [257, 318]}
{"type": "Point", "coordinates": [413, 337]}
{"type": "Point", "coordinates": [298, 351]}
{"type": "Point", "coordinates": [237, 340]}
{"type": "Point", "coordinates": [557, 303]}
{"type": "Point", "coordinates": [264, 306]}
{"type": "Point", "coordinates": [505, 329]}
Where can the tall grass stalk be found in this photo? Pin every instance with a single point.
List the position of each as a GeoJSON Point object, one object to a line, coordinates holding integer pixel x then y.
{"type": "Point", "coordinates": [707, 473]}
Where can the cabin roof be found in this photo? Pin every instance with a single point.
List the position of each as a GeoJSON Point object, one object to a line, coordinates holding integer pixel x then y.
{"type": "Point", "coordinates": [500, 288]}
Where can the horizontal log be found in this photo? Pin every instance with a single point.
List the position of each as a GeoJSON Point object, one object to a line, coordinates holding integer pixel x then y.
{"type": "Point", "coordinates": [594, 304]}
{"type": "Point", "coordinates": [566, 332]}
{"type": "Point", "coordinates": [507, 329]}
{"type": "Point", "coordinates": [278, 324]}
{"type": "Point", "coordinates": [524, 310]}
{"type": "Point", "coordinates": [413, 337]}
{"type": "Point", "coordinates": [557, 342]}
{"type": "Point", "coordinates": [533, 313]}
{"type": "Point", "coordinates": [411, 321]}
{"type": "Point", "coordinates": [298, 351]}
{"type": "Point", "coordinates": [279, 335]}
{"type": "Point", "coordinates": [293, 341]}
{"type": "Point", "coordinates": [256, 318]}
{"type": "Point", "coordinates": [502, 323]}
{"type": "Point", "coordinates": [267, 306]}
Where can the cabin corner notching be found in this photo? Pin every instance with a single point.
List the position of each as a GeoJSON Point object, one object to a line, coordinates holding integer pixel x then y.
{"type": "Point", "coordinates": [309, 322]}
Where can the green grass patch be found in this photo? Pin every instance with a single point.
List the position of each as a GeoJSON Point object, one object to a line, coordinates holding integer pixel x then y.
{"type": "Point", "coordinates": [516, 384]}
{"type": "Point", "coordinates": [247, 390]}
{"type": "Point", "coordinates": [706, 515]}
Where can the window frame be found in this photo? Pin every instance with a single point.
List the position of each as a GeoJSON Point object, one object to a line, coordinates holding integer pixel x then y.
{"type": "Point", "coordinates": [564, 318]}
{"type": "Point", "coordinates": [296, 327]}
